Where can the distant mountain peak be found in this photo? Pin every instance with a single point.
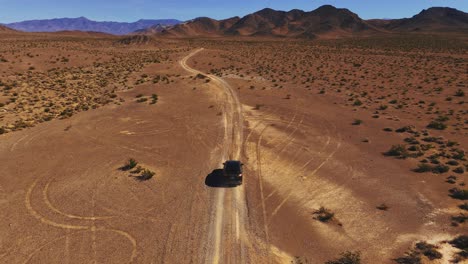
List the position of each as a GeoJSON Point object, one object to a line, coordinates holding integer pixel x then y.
{"type": "Point", "coordinates": [84, 24]}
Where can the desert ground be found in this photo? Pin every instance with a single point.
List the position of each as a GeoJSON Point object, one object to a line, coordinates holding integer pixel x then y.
{"type": "Point", "coordinates": [351, 146]}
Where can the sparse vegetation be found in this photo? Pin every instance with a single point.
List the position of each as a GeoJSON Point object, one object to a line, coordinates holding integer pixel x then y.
{"type": "Point", "coordinates": [131, 163]}
{"type": "Point", "coordinates": [323, 214]}
{"type": "Point", "coordinates": [347, 257]}
{"type": "Point", "coordinates": [460, 194]}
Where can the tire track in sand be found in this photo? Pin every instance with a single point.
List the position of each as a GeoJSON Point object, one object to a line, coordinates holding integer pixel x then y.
{"type": "Point", "coordinates": [233, 135]}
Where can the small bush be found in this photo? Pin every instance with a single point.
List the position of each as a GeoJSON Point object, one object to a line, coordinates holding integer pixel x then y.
{"type": "Point", "coordinates": [357, 102]}
{"type": "Point", "coordinates": [460, 242]}
{"type": "Point", "coordinates": [422, 167]}
{"type": "Point", "coordinates": [437, 125]}
{"type": "Point", "coordinates": [437, 169]}
{"type": "Point", "coordinates": [459, 194]}
{"type": "Point", "coordinates": [323, 214]}
{"type": "Point", "coordinates": [142, 100]}
{"type": "Point", "coordinates": [145, 175]}
{"type": "Point", "coordinates": [383, 207]}
{"type": "Point", "coordinates": [154, 99]}
{"type": "Point", "coordinates": [463, 206]}
{"type": "Point", "coordinates": [397, 151]}
{"type": "Point", "coordinates": [460, 93]}
{"type": "Point", "coordinates": [428, 250]}
{"type": "Point", "coordinates": [451, 179]}
{"type": "Point", "coordinates": [409, 258]}
{"type": "Point", "coordinates": [357, 122]}
{"type": "Point", "coordinates": [131, 163]}
{"type": "Point", "coordinates": [347, 257]}
{"type": "Point", "coordinates": [459, 219]}
{"type": "Point", "coordinates": [459, 170]}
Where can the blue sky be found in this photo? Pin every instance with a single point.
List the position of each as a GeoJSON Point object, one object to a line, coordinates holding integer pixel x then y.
{"type": "Point", "coordinates": [132, 10]}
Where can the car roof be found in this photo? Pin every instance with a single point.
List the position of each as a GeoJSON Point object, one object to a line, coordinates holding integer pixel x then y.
{"type": "Point", "coordinates": [232, 162]}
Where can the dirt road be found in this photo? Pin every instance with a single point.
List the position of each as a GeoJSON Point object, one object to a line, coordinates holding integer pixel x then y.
{"type": "Point", "coordinates": [227, 228]}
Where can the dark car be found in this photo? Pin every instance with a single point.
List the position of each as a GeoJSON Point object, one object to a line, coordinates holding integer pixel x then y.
{"type": "Point", "coordinates": [232, 171]}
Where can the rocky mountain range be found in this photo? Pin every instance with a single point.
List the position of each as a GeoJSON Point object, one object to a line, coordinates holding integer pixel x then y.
{"type": "Point", "coordinates": [84, 24]}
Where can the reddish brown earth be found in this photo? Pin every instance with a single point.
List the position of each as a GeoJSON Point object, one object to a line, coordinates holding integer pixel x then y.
{"type": "Point", "coordinates": [286, 109]}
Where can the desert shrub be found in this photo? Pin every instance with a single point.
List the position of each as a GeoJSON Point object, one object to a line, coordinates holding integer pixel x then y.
{"type": "Point", "coordinates": [442, 119]}
{"type": "Point", "coordinates": [460, 242]}
{"type": "Point", "coordinates": [2, 130]}
{"type": "Point", "coordinates": [145, 175]}
{"type": "Point", "coordinates": [383, 107]}
{"type": "Point", "coordinates": [458, 155]}
{"type": "Point", "coordinates": [357, 102]}
{"type": "Point", "coordinates": [154, 99]}
{"type": "Point", "coordinates": [200, 76]}
{"type": "Point", "coordinates": [463, 206]}
{"type": "Point", "coordinates": [459, 170]}
{"type": "Point", "coordinates": [413, 148]}
{"type": "Point", "coordinates": [142, 100]}
{"type": "Point", "coordinates": [437, 125]}
{"type": "Point", "coordinates": [357, 122]}
{"type": "Point", "coordinates": [460, 93]}
{"type": "Point", "coordinates": [388, 129]}
{"type": "Point", "coordinates": [451, 179]}
{"type": "Point", "coordinates": [411, 140]}
{"type": "Point", "coordinates": [383, 207]}
{"type": "Point", "coordinates": [409, 258]}
{"type": "Point", "coordinates": [459, 194]}
{"type": "Point", "coordinates": [323, 214]}
{"type": "Point", "coordinates": [347, 257]}
{"type": "Point", "coordinates": [139, 95]}
{"type": "Point", "coordinates": [397, 151]}
{"type": "Point", "coordinates": [452, 162]}
{"type": "Point", "coordinates": [459, 219]}
{"type": "Point", "coordinates": [131, 163]}
{"type": "Point", "coordinates": [439, 169]}
{"type": "Point", "coordinates": [422, 167]}
{"type": "Point", "coordinates": [404, 129]}
{"type": "Point", "coordinates": [428, 250]}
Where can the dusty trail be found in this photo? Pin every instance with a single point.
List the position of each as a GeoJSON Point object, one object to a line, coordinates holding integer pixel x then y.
{"type": "Point", "coordinates": [227, 226]}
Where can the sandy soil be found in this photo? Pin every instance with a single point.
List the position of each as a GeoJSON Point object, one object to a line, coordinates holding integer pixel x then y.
{"type": "Point", "coordinates": [65, 200]}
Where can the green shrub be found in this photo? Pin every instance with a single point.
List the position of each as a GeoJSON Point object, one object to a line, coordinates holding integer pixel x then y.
{"type": "Point", "coordinates": [459, 170]}
{"type": "Point", "coordinates": [131, 163]}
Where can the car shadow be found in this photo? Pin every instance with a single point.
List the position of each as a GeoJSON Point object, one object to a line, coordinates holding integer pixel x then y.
{"type": "Point", "coordinates": [216, 179]}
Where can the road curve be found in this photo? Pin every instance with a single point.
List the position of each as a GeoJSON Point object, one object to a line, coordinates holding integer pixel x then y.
{"type": "Point", "coordinates": [227, 232]}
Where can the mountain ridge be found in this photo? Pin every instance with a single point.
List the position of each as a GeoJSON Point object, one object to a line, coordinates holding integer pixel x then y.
{"type": "Point", "coordinates": [85, 24]}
